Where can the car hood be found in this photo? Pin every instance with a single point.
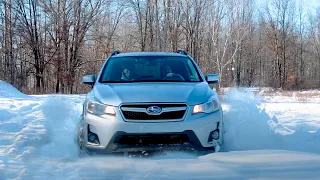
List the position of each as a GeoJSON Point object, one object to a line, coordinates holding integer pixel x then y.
{"type": "Point", "coordinates": [115, 94]}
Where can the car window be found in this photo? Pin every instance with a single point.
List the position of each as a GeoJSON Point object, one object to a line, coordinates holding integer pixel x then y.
{"type": "Point", "coordinates": [149, 69]}
{"type": "Point", "coordinates": [193, 73]}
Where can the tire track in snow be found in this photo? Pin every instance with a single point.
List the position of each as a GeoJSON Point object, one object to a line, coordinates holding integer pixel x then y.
{"type": "Point", "coordinates": [37, 128]}
{"type": "Point", "coordinates": [20, 132]}
{"type": "Point", "coordinates": [60, 117]}
{"type": "Point", "coordinates": [42, 143]}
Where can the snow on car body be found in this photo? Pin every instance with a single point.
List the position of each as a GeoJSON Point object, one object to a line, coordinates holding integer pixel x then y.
{"type": "Point", "coordinates": [150, 101]}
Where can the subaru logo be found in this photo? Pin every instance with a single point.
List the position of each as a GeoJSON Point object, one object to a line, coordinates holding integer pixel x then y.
{"type": "Point", "coordinates": [154, 110]}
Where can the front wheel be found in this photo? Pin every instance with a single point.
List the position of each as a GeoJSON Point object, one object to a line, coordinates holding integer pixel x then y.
{"type": "Point", "coordinates": [81, 143]}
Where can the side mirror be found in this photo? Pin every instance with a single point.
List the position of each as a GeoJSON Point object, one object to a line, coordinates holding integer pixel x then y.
{"type": "Point", "coordinates": [212, 78]}
{"type": "Point", "coordinates": [89, 80]}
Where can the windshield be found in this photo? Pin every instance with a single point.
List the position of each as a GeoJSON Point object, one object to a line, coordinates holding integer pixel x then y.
{"type": "Point", "coordinates": [149, 69]}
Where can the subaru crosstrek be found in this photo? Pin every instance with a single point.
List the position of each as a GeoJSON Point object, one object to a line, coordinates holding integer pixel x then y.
{"type": "Point", "coordinates": [150, 101]}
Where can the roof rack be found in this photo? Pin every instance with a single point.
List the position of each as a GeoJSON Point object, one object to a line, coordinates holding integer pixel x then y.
{"type": "Point", "coordinates": [182, 52]}
{"type": "Point", "coordinates": [115, 52]}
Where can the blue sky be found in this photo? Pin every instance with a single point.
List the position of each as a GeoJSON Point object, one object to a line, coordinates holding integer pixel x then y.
{"type": "Point", "coordinates": [311, 5]}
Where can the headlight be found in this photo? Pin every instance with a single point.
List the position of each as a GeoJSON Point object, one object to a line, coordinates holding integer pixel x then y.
{"type": "Point", "coordinates": [99, 109]}
{"type": "Point", "coordinates": [208, 107]}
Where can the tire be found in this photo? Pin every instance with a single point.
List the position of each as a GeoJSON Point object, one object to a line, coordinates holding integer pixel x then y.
{"type": "Point", "coordinates": [203, 152]}
{"type": "Point", "coordinates": [222, 134]}
{"type": "Point", "coordinates": [222, 149]}
{"type": "Point", "coordinates": [81, 143]}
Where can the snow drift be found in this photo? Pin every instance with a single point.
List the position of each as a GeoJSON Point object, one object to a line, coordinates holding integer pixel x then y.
{"type": "Point", "coordinates": [8, 91]}
{"type": "Point", "coordinates": [253, 125]}
{"type": "Point", "coordinates": [247, 125]}
{"type": "Point", "coordinates": [37, 141]}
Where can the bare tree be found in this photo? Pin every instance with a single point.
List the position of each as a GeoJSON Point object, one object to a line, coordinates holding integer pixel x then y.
{"type": "Point", "coordinates": [280, 19]}
{"type": "Point", "coordinates": [28, 27]}
{"type": "Point", "coordinates": [301, 50]}
{"type": "Point", "coordinates": [9, 64]}
{"type": "Point", "coordinates": [47, 45]}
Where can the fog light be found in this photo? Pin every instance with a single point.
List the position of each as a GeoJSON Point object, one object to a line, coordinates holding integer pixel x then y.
{"type": "Point", "coordinates": [215, 135]}
{"type": "Point", "coordinates": [93, 138]}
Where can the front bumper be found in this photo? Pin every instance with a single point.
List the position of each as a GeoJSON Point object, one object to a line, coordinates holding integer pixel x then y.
{"type": "Point", "coordinates": [115, 146]}
{"type": "Point", "coordinates": [110, 130]}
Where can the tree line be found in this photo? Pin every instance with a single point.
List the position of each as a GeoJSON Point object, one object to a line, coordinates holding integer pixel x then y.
{"type": "Point", "coordinates": [48, 45]}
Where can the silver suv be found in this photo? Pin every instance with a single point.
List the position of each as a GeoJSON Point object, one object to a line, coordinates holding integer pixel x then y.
{"type": "Point", "coordinates": [150, 101]}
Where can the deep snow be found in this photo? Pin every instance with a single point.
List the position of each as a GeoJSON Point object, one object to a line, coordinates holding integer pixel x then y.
{"type": "Point", "coordinates": [264, 139]}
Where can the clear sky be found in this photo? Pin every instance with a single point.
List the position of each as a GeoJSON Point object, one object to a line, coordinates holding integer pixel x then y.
{"type": "Point", "coordinates": [311, 5]}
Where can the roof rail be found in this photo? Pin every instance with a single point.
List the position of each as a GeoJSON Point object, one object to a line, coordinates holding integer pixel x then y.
{"type": "Point", "coordinates": [182, 52]}
{"type": "Point", "coordinates": [115, 52]}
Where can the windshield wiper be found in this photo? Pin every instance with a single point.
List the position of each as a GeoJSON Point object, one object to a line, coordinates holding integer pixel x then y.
{"type": "Point", "coordinates": [131, 81]}
{"type": "Point", "coordinates": [113, 81]}
{"type": "Point", "coordinates": [147, 80]}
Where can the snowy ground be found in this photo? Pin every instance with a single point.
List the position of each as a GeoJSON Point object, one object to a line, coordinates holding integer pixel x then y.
{"type": "Point", "coordinates": [271, 137]}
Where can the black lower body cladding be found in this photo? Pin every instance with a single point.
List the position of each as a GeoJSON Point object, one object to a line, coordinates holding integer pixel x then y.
{"type": "Point", "coordinates": [127, 142]}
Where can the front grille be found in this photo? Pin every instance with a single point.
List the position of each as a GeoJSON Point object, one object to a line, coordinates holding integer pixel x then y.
{"type": "Point", "coordinates": [155, 104]}
{"type": "Point", "coordinates": [144, 116]}
{"type": "Point", "coordinates": [176, 112]}
{"type": "Point", "coordinates": [153, 139]}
